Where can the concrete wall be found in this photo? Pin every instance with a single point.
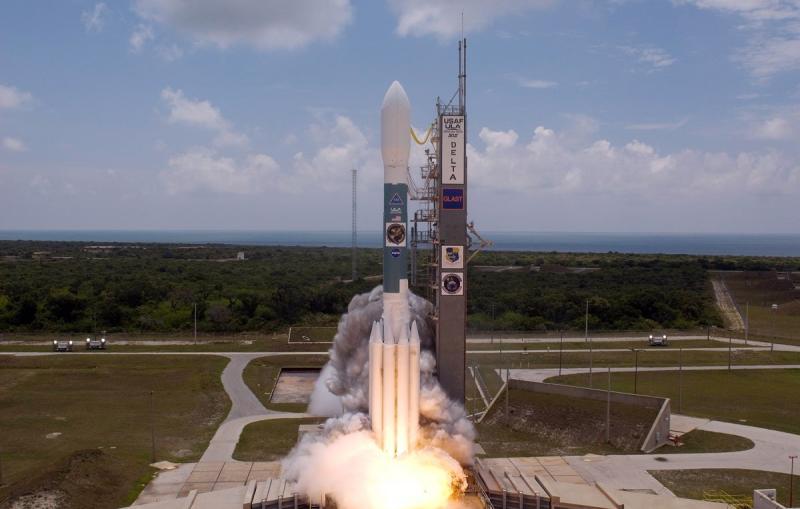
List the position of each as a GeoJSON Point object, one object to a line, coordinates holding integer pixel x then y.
{"type": "Point", "coordinates": [765, 499]}
{"type": "Point", "coordinates": [659, 431]}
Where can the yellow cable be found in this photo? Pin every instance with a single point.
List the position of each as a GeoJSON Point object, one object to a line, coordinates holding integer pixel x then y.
{"type": "Point", "coordinates": [427, 135]}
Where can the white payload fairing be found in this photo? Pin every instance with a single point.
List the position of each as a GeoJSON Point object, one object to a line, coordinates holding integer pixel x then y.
{"type": "Point", "coordinates": [394, 346]}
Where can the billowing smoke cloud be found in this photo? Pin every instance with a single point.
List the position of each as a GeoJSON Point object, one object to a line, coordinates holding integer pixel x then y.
{"type": "Point", "coordinates": [345, 461]}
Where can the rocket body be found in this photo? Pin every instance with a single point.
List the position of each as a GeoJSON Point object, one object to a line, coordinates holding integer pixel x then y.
{"type": "Point", "coordinates": [394, 375]}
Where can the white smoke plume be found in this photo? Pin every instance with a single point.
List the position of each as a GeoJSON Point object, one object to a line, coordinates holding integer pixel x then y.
{"type": "Point", "coordinates": [345, 461]}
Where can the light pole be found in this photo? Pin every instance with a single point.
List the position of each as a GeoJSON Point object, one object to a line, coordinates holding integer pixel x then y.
{"type": "Point", "coordinates": [791, 480]}
{"type": "Point", "coordinates": [586, 323]}
{"type": "Point", "coordinates": [680, 380]}
{"type": "Point", "coordinates": [746, 322]}
{"type": "Point", "coordinates": [635, 370]}
{"type": "Point", "coordinates": [195, 323]}
{"type": "Point", "coordinates": [152, 431]}
{"type": "Point", "coordinates": [774, 335]}
{"type": "Point", "coordinates": [608, 408]}
{"type": "Point", "coordinates": [561, 353]}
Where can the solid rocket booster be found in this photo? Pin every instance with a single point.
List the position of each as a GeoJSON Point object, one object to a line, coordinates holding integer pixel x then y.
{"type": "Point", "coordinates": [394, 376]}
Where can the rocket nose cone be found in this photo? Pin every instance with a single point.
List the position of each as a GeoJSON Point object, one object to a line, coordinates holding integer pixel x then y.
{"type": "Point", "coordinates": [395, 97]}
{"type": "Point", "coordinates": [395, 127]}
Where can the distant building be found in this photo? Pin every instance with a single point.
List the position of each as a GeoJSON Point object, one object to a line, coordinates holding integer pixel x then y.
{"type": "Point", "coordinates": [240, 256]}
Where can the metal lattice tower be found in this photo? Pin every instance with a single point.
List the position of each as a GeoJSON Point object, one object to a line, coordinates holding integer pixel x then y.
{"type": "Point", "coordinates": [355, 231]}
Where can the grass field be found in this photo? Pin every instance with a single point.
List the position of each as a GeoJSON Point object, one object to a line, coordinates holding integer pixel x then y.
{"type": "Point", "coordinates": [269, 440]}
{"type": "Point", "coordinates": [536, 426]}
{"type": "Point", "coordinates": [646, 357]}
{"type": "Point", "coordinates": [707, 441]}
{"type": "Point", "coordinates": [302, 334]}
{"type": "Point", "coordinates": [761, 290]}
{"type": "Point", "coordinates": [692, 483]}
{"type": "Point", "coordinates": [90, 417]}
{"type": "Point", "coordinates": [595, 344]}
{"type": "Point", "coordinates": [260, 375]}
{"type": "Point", "coordinates": [763, 398]}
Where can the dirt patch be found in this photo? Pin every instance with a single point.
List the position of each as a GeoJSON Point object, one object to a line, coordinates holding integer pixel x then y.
{"type": "Point", "coordinates": [85, 479]}
{"type": "Point", "coordinates": [733, 320]}
{"type": "Point", "coordinates": [294, 385]}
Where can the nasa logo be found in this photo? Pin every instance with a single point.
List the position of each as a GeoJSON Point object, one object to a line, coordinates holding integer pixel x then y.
{"type": "Point", "coordinates": [395, 252]}
{"type": "Point", "coordinates": [453, 199]}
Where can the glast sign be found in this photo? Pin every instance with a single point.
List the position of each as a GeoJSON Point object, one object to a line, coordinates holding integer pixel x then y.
{"type": "Point", "coordinates": [452, 149]}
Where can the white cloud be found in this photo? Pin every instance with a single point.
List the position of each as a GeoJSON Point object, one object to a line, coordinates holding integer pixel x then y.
{"type": "Point", "coordinates": [192, 112]}
{"type": "Point", "coordinates": [777, 128]}
{"type": "Point", "coordinates": [654, 58]}
{"type": "Point", "coordinates": [203, 169]}
{"type": "Point", "coordinates": [14, 145]}
{"type": "Point", "coordinates": [169, 53]}
{"type": "Point", "coordinates": [498, 139]}
{"type": "Point", "coordinates": [342, 146]}
{"type": "Point", "coordinates": [442, 18]}
{"type": "Point", "coordinates": [773, 28]}
{"type": "Point", "coordinates": [139, 37]}
{"type": "Point", "coordinates": [553, 163]}
{"type": "Point", "coordinates": [538, 84]}
{"type": "Point", "coordinates": [257, 23]}
{"type": "Point", "coordinates": [337, 146]}
{"type": "Point", "coordinates": [94, 19]}
{"type": "Point", "coordinates": [197, 113]}
{"type": "Point", "coordinates": [11, 97]}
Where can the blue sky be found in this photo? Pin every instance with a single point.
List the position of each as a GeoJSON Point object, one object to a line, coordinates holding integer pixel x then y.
{"type": "Point", "coordinates": [604, 115]}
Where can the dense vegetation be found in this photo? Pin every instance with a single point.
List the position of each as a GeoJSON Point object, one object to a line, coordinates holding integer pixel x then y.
{"type": "Point", "coordinates": [73, 286]}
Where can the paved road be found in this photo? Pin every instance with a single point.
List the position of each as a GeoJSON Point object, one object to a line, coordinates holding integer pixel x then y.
{"type": "Point", "coordinates": [770, 453]}
{"type": "Point", "coordinates": [540, 375]}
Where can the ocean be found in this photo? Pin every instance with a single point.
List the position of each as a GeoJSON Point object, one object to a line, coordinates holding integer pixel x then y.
{"type": "Point", "coordinates": [667, 243]}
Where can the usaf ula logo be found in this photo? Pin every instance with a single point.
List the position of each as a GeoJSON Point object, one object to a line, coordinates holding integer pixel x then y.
{"type": "Point", "coordinates": [453, 254]}
{"type": "Point", "coordinates": [396, 200]}
{"type": "Point", "coordinates": [452, 257]}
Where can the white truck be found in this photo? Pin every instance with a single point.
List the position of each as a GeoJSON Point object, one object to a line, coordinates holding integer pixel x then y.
{"type": "Point", "coordinates": [95, 344]}
{"type": "Point", "coordinates": [62, 345]}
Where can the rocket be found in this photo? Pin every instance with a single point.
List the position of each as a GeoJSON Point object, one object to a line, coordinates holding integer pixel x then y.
{"type": "Point", "coordinates": [394, 345]}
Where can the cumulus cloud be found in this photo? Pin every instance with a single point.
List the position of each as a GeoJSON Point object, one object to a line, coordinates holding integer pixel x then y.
{"type": "Point", "coordinates": [337, 145]}
{"type": "Point", "coordinates": [94, 19]}
{"type": "Point", "coordinates": [342, 146]}
{"type": "Point", "coordinates": [14, 145]}
{"type": "Point", "coordinates": [256, 23]}
{"type": "Point", "coordinates": [204, 169]}
{"type": "Point", "coordinates": [773, 28]}
{"type": "Point", "coordinates": [442, 18]}
{"type": "Point", "coordinates": [653, 58]}
{"type": "Point", "coordinates": [552, 162]}
{"type": "Point", "coordinates": [140, 36]}
{"type": "Point", "coordinates": [538, 84]}
{"type": "Point", "coordinates": [11, 97]}
{"type": "Point", "coordinates": [200, 113]}
{"type": "Point", "coordinates": [657, 126]}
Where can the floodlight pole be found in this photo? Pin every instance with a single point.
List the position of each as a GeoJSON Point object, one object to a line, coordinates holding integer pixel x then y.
{"type": "Point", "coordinates": [730, 351]}
{"type": "Point", "coordinates": [746, 322]}
{"type": "Point", "coordinates": [680, 380]}
{"type": "Point", "coordinates": [152, 431]}
{"type": "Point", "coordinates": [635, 370]}
{"type": "Point", "coordinates": [774, 334]}
{"type": "Point", "coordinates": [561, 353]}
{"type": "Point", "coordinates": [608, 408]}
{"type": "Point", "coordinates": [195, 323]}
{"type": "Point", "coordinates": [791, 480]}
